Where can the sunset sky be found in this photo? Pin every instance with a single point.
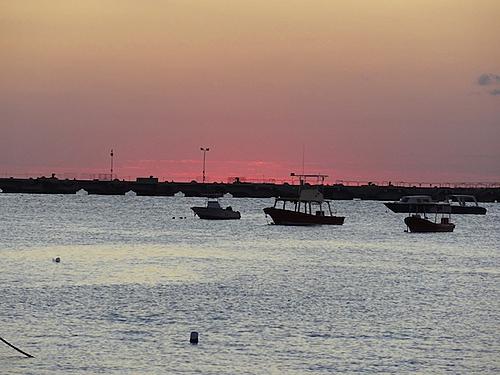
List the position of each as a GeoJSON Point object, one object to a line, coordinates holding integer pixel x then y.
{"type": "Point", "coordinates": [375, 90]}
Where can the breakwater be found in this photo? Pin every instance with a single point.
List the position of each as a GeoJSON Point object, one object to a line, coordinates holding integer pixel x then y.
{"type": "Point", "coordinates": [152, 187]}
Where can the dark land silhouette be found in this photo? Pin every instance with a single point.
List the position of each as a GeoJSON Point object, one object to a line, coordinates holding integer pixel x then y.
{"type": "Point", "coordinates": [152, 187]}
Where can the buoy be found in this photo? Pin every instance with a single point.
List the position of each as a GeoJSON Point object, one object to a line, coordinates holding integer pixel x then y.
{"type": "Point", "coordinates": [57, 260]}
{"type": "Point", "coordinates": [193, 339]}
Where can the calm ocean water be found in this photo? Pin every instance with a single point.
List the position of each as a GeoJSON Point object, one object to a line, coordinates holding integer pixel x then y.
{"type": "Point", "coordinates": [134, 281]}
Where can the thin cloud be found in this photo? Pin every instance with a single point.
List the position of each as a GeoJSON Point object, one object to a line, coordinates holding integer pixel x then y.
{"type": "Point", "coordinates": [490, 82]}
{"type": "Point", "coordinates": [487, 79]}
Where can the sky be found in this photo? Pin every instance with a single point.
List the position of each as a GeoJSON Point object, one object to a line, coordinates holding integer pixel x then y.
{"type": "Point", "coordinates": [386, 90]}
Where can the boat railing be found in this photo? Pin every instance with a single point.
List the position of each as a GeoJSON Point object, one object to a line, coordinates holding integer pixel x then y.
{"type": "Point", "coordinates": [305, 206]}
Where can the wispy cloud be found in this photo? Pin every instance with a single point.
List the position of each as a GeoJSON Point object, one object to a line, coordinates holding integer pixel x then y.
{"type": "Point", "coordinates": [491, 81]}
{"type": "Point", "coordinates": [487, 79]}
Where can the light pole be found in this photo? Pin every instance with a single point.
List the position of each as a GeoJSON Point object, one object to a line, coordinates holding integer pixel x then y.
{"type": "Point", "coordinates": [111, 154]}
{"type": "Point", "coordinates": [204, 149]}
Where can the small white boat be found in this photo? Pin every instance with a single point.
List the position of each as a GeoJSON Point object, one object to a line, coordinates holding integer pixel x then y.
{"type": "Point", "coordinates": [214, 211]}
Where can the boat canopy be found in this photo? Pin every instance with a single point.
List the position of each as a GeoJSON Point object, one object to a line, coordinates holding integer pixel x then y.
{"type": "Point", "coordinates": [438, 208]}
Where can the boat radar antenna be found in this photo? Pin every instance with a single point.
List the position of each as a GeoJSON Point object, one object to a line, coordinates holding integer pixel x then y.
{"type": "Point", "coordinates": [320, 178]}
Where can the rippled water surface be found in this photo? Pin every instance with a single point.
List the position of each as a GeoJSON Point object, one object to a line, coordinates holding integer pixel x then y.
{"type": "Point", "coordinates": [138, 274]}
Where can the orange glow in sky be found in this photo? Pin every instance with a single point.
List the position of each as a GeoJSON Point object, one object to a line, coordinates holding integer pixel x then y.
{"type": "Point", "coordinates": [371, 90]}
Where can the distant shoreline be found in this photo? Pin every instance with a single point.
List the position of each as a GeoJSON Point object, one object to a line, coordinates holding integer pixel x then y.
{"type": "Point", "coordinates": [152, 187]}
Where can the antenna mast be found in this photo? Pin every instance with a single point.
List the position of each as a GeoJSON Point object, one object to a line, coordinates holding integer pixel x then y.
{"type": "Point", "coordinates": [303, 177]}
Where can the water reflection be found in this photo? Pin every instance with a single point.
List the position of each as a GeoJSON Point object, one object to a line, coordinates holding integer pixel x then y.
{"type": "Point", "coordinates": [133, 283]}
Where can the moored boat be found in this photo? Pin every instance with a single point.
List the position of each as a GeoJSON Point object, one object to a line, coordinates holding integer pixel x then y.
{"type": "Point", "coordinates": [214, 211]}
{"type": "Point", "coordinates": [458, 204]}
{"type": "Point", "coordinates": [308, 209]}
{"type": "Point", "coordinates": [419, 224]}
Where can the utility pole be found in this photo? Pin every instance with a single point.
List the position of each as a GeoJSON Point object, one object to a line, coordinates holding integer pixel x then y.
{"type": "Point", "coordinates": [204, 150]}
{"type": "Point", "coordinates": [111, 154]}
{"type": "Point", "coordinates": [303, 157]}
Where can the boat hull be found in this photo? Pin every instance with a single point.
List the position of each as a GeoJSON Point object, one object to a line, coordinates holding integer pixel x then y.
{"type": "Point", "coordinates": [468, 210]}
{"type": "Point", "coordinates": [286, 217]}
{"type": "Point", "coordinates": [420, 225]}
{"type": "Point", "coordinates": [430, 208]}
{"type": "Point", "coordinates": [216, 214]}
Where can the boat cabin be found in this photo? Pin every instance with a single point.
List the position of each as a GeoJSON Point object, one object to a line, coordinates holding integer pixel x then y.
{"type": "Point", "coordinates": [213, 204]}
{"type": "Point", "coordinates": [413, 199]}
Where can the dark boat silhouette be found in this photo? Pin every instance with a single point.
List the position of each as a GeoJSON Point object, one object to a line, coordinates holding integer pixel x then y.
{"type": "Point", "coordinates": [459, 204]}
{"type": "Point", "coordinates": [307, 209]}
{"type": "Point", "coordinates": [418, 224]}
{"type": "Point", "coordinates": [214, 211]}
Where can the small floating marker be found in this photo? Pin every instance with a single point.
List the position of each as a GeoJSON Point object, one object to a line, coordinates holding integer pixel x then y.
{"type": "Point", "coordinates": [57, 260]}
{"type": "Point", "coordinates": [173, 217]}
{"type": "Point", "coordinates": [193, 339]}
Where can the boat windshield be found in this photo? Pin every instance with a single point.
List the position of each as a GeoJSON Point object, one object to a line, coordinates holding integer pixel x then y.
{"type": "Point", "coordinates": [213, 204]}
